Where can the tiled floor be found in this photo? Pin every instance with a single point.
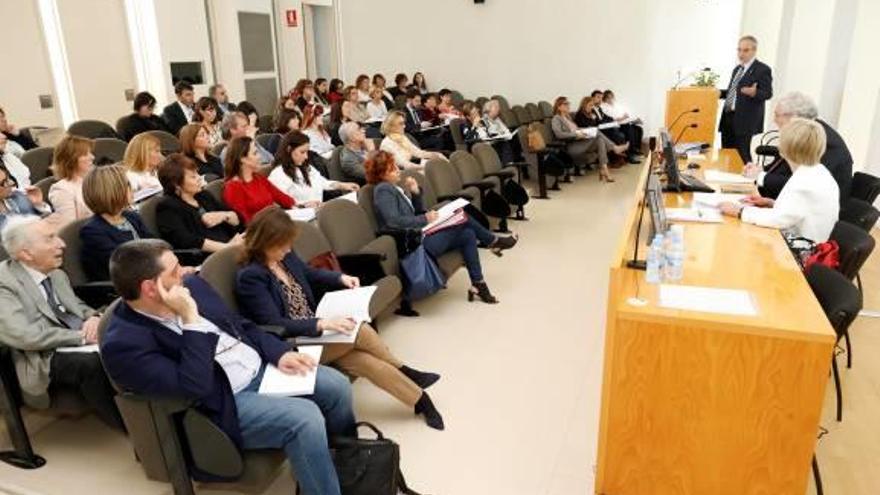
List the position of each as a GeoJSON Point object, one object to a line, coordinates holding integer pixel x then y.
{"type": "Point", "coordinates": [521, 380]}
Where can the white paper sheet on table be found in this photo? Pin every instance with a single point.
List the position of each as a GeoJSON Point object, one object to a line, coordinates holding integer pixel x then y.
{"type": "Point", "coordinates": [714, 199]}
{"type": "Point", "coordinates": [701, 215]}
{"type": "Point", "coordinates": [708, 300]}
{"type": "Point", "coordinates": [302, 214]}
{"type": "Point", "coordinates": [353, 303]}
{"type": "Point", "coordinates": [78, 348]}
{"type": "Point", "coordinates": [279, 384]}
{"type": "Point", "coordinates": [725, 177]}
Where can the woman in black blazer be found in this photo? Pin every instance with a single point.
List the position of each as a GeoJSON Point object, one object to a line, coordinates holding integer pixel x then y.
{"type": "Point", "coordinates": [275, 287]}
{"type": "Point", "coordinates": [188, 217]}
{"type": "Point", "coordinates": [194, 144]}
{"type": "Point", "coordinates": [395, 210]}
{"type": "Point", "coordinates": [142, 120]}
{"type": "Point", "coordinates": [107, 193]}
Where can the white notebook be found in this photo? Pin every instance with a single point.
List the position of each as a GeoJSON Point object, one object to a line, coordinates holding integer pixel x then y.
{"type": "Point", "coordinates": [349, 303]}
{"type": "Point", "coordinates": [277, 383]}
{"type": "Point", "coordinates": [714, 199]}
{"type": "Point", "coordinates": [445, 212]}
{"type": "Point", "coordinates": [302, 214]}
{"type": "Point", "coordinates": [725, 177]}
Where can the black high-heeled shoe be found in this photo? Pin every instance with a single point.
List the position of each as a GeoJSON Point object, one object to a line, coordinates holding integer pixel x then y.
{"type": "Point", "coordinates": [425, 408]}
{"type": "Point", "coordinates": [503, 243]}
{"type": "Point", "coordinates": [481, 290]}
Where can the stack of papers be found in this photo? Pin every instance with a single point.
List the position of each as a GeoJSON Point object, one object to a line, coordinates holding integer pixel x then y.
{"type": "Point", "coordinates": [79, 348]}
{"type": "Point", "coordinates": [350, 303]}
{"type": "Point", "coordinates": [279, 384]}
{"type": "Point", "coordinates": [145, 193]}
{"type": "Point", "coordinates": [703, 215]}
{"type": "Point", "coordinates": [708, 300]}
{"type": "Point", "coordinates": [609, 125]}
{"type": "Point", "coordinates": [590, 132]}
{"type": "Point", "coordinates": [714, 199]}
{"type": "Point", "coordinates": [725, 177]}
{"type": "Point", "coordinates": [446, 212]}
{"type": "Point", "coordinates": [502, 137]}
{"type": "Point", "coordinates": [302, 214]}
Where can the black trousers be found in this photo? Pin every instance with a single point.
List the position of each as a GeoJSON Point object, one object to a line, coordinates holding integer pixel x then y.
{"type": "Point", "coordinates": [634, 135]}
{"type": "Point", "coordinates": [731, 138]}
{"type": "Point", "coordinates": [82, 373]}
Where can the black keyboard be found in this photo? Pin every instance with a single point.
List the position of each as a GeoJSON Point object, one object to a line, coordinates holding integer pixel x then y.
{"type": "Point", "coordinates": [689, 183]}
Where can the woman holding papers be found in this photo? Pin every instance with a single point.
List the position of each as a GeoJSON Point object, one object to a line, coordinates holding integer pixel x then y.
{"type": "Point", "coordinates": [580, 142]}
{"type": "Point", "coordinates": [508, 149]}
{"type": "Point", "coordinates": [188, 217]}
{"type": "Point", "coordinates": [589, 116]}
{"type": "Point", "coordinates": [808, 204]}
{"type": "Point", "coordinates": [274, 287]}
{"type": "Point", "coordinates": [246, 191]}
{"type": "Point", "coordinates": [313, 127]}
{"type": "Point", "coordinates": [403, 150]}
{"type": "Point", "coordinates": [295, 176]}
{"type": "Point", "coordinates": [401, 209]}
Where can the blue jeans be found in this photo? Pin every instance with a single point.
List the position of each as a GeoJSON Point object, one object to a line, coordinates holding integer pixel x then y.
{"type": "Point", "coordinates": [463, 237]}
{"type": "Point", "coordinates": [300, 426]}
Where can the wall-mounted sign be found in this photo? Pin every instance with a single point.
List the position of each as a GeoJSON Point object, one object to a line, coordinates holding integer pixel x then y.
{"type": "Point", "coordinates": [291, 17]}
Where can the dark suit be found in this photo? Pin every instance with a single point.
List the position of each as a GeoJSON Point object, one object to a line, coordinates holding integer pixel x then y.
{"type": "Point", "coordinates": [99, 240]}
{"type": "Point", "coordinates": [434, 139]}
{"type": "Point", "coordinates": [144, 357]}
{"type": "Point", "coordinates": [747, 118]}
{"type": "Point", "coordinates": [23, 139]}
{"type": "Point", "coordinates": [394, 212]}
{"type": "Point", "coordinates": [837, 159]}
{"type": "Point", "coordinates": [174, 117]}
{"type": "Point", "coordinates": [18, 204]}
{"type": "Point", "coordinates": [262, 299]}
{"type": "Point", "coordinates": [131, 125]}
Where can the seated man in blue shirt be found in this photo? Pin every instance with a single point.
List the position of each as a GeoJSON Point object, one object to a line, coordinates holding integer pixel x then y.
{"type": "Point", "coordinates": [174, 337]}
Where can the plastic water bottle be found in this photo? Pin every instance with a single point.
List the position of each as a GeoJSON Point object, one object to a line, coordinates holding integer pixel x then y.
{"type": "Point", "coordinates": [655, 262]}
{"type": "Point", "coordinates": [674, 254]}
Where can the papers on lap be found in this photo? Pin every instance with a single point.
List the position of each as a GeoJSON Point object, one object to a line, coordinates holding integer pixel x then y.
{"type": "Point", "coordinates": [703, 215]}
{"type": "Point", "coordinates": [608, 125]}
{"type": "Point", "coordinates": [445, 214]}
{"type": "Point", "coordinates": [352, 196]}
{"type": "Point", "coordinates": [279, 384]}
{"type": "Point", "coordinates": [79, 348]}
{"type": "Point", "coordinates": [302, 214]}
{"type": "Point", "coordinates": [349, 303]}
{"type": "Point", "coordinates": [708, 300]}
{"type": "Point", "coordinates": [590, 132]}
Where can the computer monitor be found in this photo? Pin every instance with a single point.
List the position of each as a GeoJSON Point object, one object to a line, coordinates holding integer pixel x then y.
{"type": "Point", "coordinates": [654, 199]}
{"type": "Point", "coordinates": [673, 180]}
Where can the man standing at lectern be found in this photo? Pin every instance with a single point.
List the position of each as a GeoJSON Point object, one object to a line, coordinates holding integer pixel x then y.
{"type": "Point", "coordinates": [751, 84]}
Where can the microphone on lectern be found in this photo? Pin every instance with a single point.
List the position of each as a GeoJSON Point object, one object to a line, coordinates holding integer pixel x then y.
{"type": "Point", "coordinates": [683, 130]}
{"type": "Point", "coordinates": [682, 114]}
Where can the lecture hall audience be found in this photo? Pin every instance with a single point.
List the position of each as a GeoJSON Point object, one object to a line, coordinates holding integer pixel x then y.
{"type": "Point", "coordinates": [295, 176]}
{"type": "Point", "coordinates": [171, 326]}
{"type": "Point", "coordinates": [387, 97]}
{"type": "Point", "coordinates": [400, 147]}
{"type": "Point", "coordinates": [17, 202]}
{"type": "Point", "coordinates": [589, 115]}
{"type": "Point", "coordinates": [39, 313]}
{"type": "Point", "coordinates": [418, 82]}
{"type": "Point", "coordinates": [13, 163]}
{"type": "Point", "coordinates": [142, 120]}
{"type": "Point", "coordinates": [236, 125]}
{"type": "Point", "coordinates": [208, 114]}
{"type": "Point", "coordinates": [187, 216]}
{"type": "Point", "coordinates": [376, 107]}
{"type": "Point", "coordinates": [579, 144]}
{"type": "Point", "coordinates": [808, 204]}
{"type": "Point", "coordinates": [179, 113]}
{"type": "Point", "coordinates": [23, 141]}
{"type": "Point", "coordinates": [334, 93]}
{"type": "Point", "coordinates": [194, 144]}
{"type": "Point", "coordinates": [218, 92]}
{"type": "Point", "coordinates": [423, 131]}
{"type": "Point", "coordinates": [107, 193]}
{"type": "Point", "coordinates": [321, 87]}
{"type": "Point", "coordinates": [362, 84]}
{"type": "Point", "coordinates": [142, 158]}
{"type": "Point", "coordinates": [401, 84]}
{"type": "Point", "coordinates": [246, 190]}
{"type": "Point", "coordinates": [354, 152]}
{"type": "Point", "coordinates": [313, 127]}
{"type": "Point", "coordinates": [274, 287]}
{"type": "Point", "coordinates": [401, 208]}
{"type": "Point", "coordinates": [72, 159]}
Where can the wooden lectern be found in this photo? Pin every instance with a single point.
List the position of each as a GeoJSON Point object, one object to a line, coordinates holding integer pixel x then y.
{"type": "Point", "coordinates": [681, 100]}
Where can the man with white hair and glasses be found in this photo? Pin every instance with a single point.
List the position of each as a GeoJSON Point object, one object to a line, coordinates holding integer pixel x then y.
{"type": "Point", "coordinates": [771, 178]}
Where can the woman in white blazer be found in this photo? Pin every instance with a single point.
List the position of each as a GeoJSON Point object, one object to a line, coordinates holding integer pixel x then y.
{"type": "Point", "coordinates": [808, 205]}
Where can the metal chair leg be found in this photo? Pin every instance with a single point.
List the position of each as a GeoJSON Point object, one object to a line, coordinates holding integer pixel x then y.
{"type": "Point", "coordinates": [836, 374]}
{"type": "Point", "coordinates": [22, 456]}
{"type": "Point", "coordinates": [848, 350]}
{"type": "Point", "coordinates": [817, 477]}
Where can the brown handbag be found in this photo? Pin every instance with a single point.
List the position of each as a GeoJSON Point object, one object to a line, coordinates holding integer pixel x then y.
{"type": "Point", "coordinates": [535, 138]}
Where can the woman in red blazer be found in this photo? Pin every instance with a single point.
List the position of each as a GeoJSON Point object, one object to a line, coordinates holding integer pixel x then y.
{"type": "Point", "coordinates": [246, 190]}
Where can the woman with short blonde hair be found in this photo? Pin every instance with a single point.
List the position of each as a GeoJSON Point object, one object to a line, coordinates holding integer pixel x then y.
{"type": "Point", "coordinates": [400, 146]}
{"type": "Point", "coordinates": [107, 192]}
{"type": "Point", "coordinates": [71, 161]}
{"type": "Point", "coordinates": [808, 205]}
{"type": "Point", "coordinates": [142, 158]}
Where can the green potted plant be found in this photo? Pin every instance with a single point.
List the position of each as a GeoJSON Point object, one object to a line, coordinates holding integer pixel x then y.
{"type": "Point", "coordinates": [706, 79]}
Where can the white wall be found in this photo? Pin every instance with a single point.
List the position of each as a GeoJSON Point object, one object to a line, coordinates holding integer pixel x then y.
{"type": "Point", "coordinates": [183, 37]}
{"type": "Point", "coordinates": [529, 50]}
{"type": "Point", "coordinates": [99, 57]}
{"type": "Point", "coordinates": [26, 71]}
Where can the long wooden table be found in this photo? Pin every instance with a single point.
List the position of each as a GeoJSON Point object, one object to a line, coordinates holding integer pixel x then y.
{"type": "Point", "coordinates": [702, 403]}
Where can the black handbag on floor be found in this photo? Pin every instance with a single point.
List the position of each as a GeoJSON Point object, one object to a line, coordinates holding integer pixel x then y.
{"type": "Point", "coordinates": [368, 467]}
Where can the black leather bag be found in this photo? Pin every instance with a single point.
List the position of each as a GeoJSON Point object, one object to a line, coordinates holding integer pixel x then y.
{"type": "Point", "coordinates": [514, 193]}
{"type": "Point", "coordinates": [494, 205]}
{"type": "Point", "coordinates": [368, 466]}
